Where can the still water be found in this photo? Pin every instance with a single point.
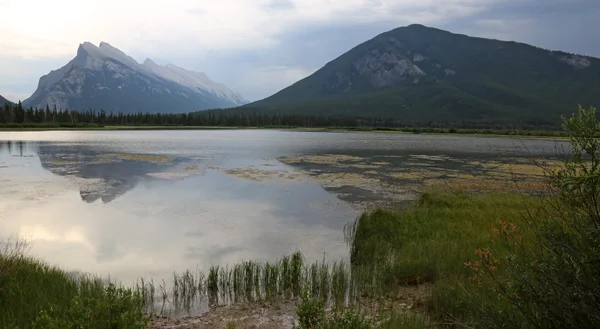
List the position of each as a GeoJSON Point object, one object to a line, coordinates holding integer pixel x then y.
{"type": "Point", "coordinates": [130, 204]}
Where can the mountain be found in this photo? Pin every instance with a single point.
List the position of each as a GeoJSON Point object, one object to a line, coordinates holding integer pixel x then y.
{"type": "Point", "coordinates": [106, 78]}
{"type": "Point", "coordinates": [419, 74]}
{"type": "Point", "coordinates": [4, 101]}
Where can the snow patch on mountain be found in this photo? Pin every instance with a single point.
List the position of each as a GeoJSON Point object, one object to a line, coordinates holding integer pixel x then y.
{"type": "Point", "coordinates": [106, 68]}
{"type": "Point", "coordinates": [196, 81]}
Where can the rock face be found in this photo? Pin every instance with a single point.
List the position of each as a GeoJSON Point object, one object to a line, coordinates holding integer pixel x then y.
{"type": "Point", "coordinates": [384, 68]}
{"type": "Point", "coordinates": [576, 61]}
{"type": "Point", "coordinates": [106, 78]}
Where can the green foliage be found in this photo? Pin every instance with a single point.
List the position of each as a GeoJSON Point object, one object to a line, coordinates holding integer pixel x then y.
{"type": "Point", "coordinates": [116, 308]}
{"type": "Point", "coordinates": [406, 320]}
{"type": "Point", "coordinates": [311, 315]}
{"type": "Point", "coordinates": [579, 181]}
{"type": "Point", "coordinates": [310, 311]}
{"type": "Point", "coordinates": [431, 240]}
{"type": "Point", "coordinates": [554, 281]}
{"type": "Point", "coordinates": [16, 117]}
{"type": "Point", "coordinates": [35, 295]}
{"type": "Point", "coordinates": [493, 81]}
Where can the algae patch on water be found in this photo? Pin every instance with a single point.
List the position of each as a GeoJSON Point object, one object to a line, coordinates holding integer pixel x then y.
{"type": "Point", "coordinates": [395, 178]}
{"type": "Point", "coordinates": [158, 159]}
{"type": "Point", "coordinates": [261, 175]}
{"type": "Point", "coordinates": [324, 159]}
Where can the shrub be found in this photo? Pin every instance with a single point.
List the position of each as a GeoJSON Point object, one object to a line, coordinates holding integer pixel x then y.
{"type": "Point", "coordinates": [552, 279]}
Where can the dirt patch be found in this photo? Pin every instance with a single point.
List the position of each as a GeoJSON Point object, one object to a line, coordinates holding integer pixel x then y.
{"type": "Point", "coordinates": [283, 314]}
{"type": "Point", "coordinates": [264, 316]}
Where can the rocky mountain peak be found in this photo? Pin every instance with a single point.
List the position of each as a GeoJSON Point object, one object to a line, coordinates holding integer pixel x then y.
{"type": "Point", "coordinates": [4, 100]}
{"type": "Point", "coordinates": [105, 77]}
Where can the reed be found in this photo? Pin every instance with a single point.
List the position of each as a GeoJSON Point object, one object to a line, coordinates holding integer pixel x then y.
{"type": "Point", "coordinates": [335, 283]}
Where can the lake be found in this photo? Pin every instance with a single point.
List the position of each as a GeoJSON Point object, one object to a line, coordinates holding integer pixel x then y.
{"type": "Point", "coordinates": [130, 204]}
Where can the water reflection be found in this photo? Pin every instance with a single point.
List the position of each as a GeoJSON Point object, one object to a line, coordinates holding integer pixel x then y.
{"type": "Point", "coordinates": [157, 214]}
{"type": "Point", "coordinates": [17, 148]}
{"type": "Point", "coordinates": [101, 176]}
{"type": "Point", "coordinates": [154, 203]}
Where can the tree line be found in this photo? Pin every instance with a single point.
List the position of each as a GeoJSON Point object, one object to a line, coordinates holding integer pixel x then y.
{"type": "Point", "coordinates": [15, 115]}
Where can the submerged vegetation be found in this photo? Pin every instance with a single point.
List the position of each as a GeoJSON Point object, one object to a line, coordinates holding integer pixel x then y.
{"type": "Point", "coordinates": [498, 260]}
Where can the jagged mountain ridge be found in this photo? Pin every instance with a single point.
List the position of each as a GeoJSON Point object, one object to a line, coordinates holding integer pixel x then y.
{"type": "Point", "coordinates": [420, 74]}
{"type": "Point", "coordinates": [4, 101]}
{"type": "Point", "coordinates": [106, 78]}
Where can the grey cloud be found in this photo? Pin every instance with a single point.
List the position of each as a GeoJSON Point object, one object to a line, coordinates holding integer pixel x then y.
{"type": "Point", "coordinates": [554, 24]}
{"type": "Point", "coordinates": [568, 25]}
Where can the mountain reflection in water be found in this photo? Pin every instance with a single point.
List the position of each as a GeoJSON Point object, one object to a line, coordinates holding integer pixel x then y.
{"type": "Point", "coordinates": [102, 176]}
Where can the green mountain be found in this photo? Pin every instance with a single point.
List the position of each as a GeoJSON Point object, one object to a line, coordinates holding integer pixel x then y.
{"type": "Point", "coordinates": [421, 74]}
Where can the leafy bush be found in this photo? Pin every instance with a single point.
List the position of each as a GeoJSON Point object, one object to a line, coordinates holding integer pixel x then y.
{"type": "Point", "coordinates": [552, 278]}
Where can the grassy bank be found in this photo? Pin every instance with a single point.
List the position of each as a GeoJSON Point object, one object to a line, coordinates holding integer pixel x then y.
{"type": "Point", "coordinates": [36, 295]}
{"type": "Point", "coordinates": [431, 242]}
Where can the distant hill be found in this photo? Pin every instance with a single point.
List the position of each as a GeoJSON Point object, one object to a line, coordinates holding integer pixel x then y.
{"type": "Point", "coordinates": [419, 74]}
{"type": "Point", "coordinates": [106, 78]}
{"type": "Point", "coordinates": [4, 100]}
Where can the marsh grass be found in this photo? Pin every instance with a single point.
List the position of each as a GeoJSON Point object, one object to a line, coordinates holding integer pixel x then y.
{"type": "Point", "coordinates": [334, 283]}
{"type": "Point", "coordinates": [36, 295]}
{"type": "Point", "coordinates": [434, 241]}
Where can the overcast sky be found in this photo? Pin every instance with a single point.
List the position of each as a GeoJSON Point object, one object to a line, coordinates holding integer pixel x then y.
{"type": "Point", "coordinates": [257, 47]}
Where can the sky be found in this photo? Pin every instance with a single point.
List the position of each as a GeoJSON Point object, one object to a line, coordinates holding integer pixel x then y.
{"type": "Point", "coordinates": [257, 47]}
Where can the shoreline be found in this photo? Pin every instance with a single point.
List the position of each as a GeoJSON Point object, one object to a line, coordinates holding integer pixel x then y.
{"type": "Point", "coordinates": [543, 135]}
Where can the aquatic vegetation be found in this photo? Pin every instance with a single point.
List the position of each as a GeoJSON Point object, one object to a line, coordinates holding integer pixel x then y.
{"type": "Point", "coordinates": [158, 159]}
{"type": "Point", "coordinates": [326, 159]}
{"type": "Point", "coordinates": [260, 175]}
{"type": "Point", "coordinates": [335, 283]}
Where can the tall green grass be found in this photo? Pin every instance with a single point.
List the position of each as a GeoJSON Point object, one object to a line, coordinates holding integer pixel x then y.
{"type": "Point", "coordinates": [431, 242]}
{"type": "Point", "coordinates": [36, 295]}
{"type": "Point", "coordinates": [251, 281]}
